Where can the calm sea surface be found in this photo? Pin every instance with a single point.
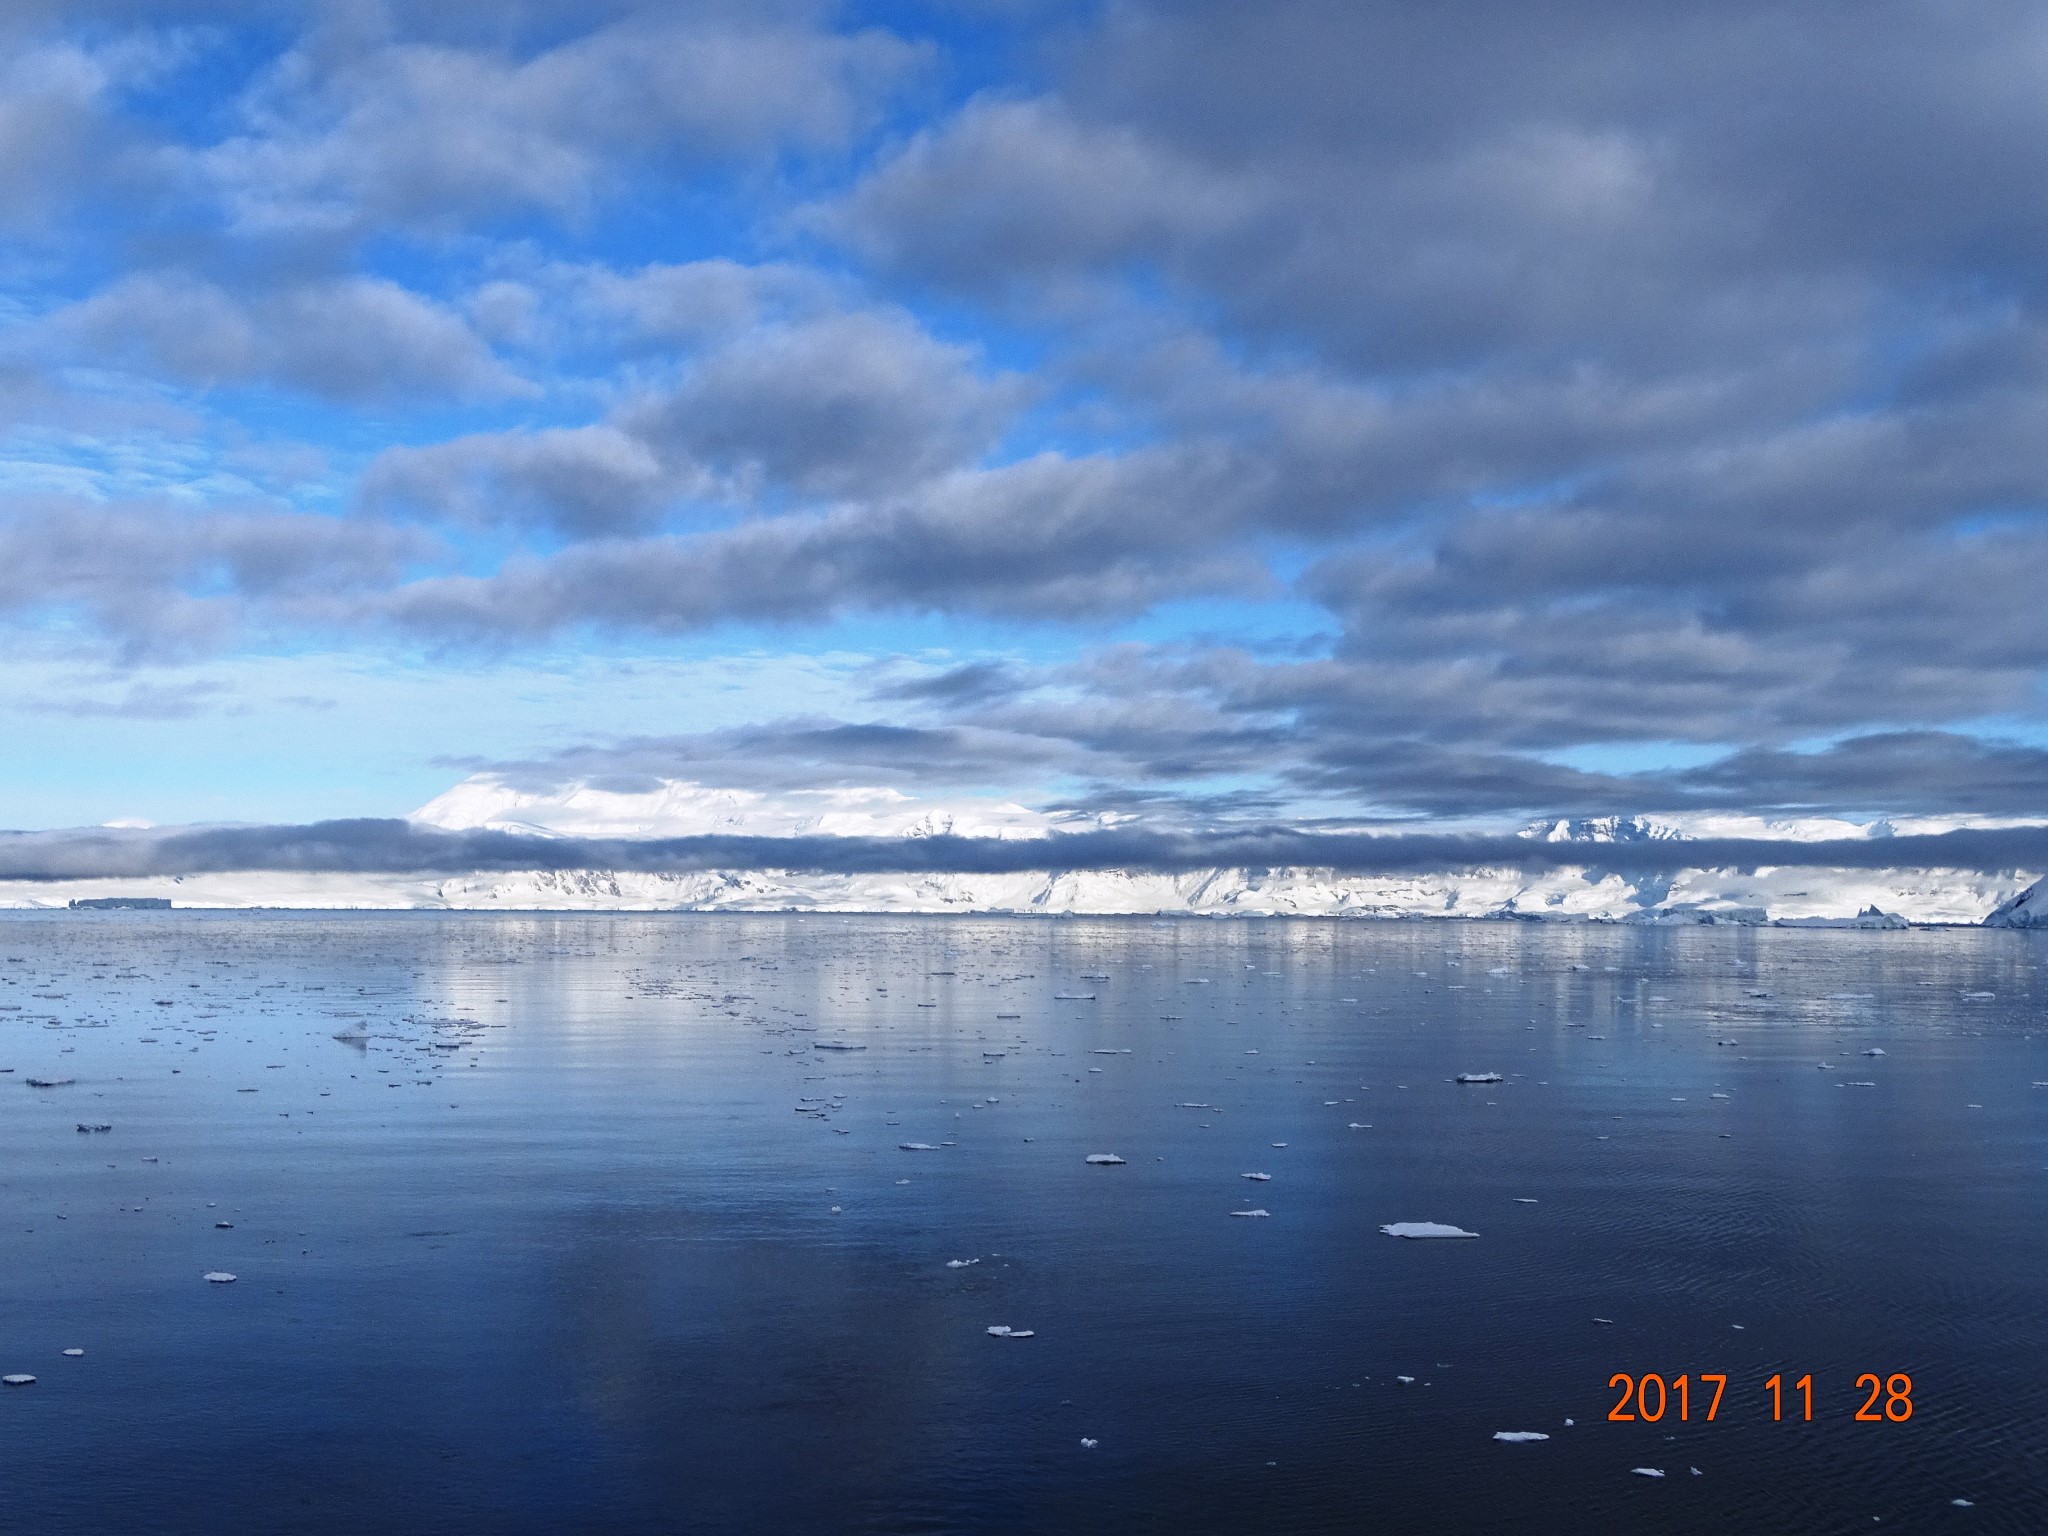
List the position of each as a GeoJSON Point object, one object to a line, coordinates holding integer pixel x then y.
{"type": "Point", "coordinates": [572, 1223]}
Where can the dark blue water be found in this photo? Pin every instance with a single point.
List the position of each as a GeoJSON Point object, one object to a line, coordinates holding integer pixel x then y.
{"type": "Point", "coordinates": [575, 1228]}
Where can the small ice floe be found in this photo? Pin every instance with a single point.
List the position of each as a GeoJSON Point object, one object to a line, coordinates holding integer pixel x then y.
{"type": "Point", "coordinates": [1358, 1125]}
{"type": "Point", "coordinates": [1259, 1178]}
{"type": "Point", "coordinates": [73, 1354]}
{"type": "Point", "coordinates": [836, 1045]}
{"type": "Point", "coordinates": [1279, 1143]}
{"type": "Point", "coordinates": [218, 1277]}
{"type": "Point", "coordinates": [49, 1082]}
{"type": "Point", "coordinates": [1825, 1066]}
{"type": "Point", "coordinates": [1875, 1050]}
{"type": "Point", "coordinates": [1257, 1211]}
{"type": "Point", "coordinates": [1087, 1444]}
{"type": "Point", "coordinates": [1105, 1160]}
{"type": "Point", "coordinates": [1518, 1436]}
{"type": "Point", "coordinates": [1406, 1381]}
{"type": "Point", "coordinates": [1003, 1331]}
{"type": "Point", "coordinates": [1695, 1471]}
{"type": "Point", "coordinates": [1717, 1095]}
{"type": "Point", "coordinates": [1727, 1042]}
{"type": "Point", "coordinates": [1424, 1229]}
{"type": "Point", "coordinates": [1647, 1471]}
{"type": "Point", "coordinates": [960, 1263]}
{"type": "Point", "coordinates": [1959, 1503]}
{"type": "Point", "coordinates": [1073, 997]}
{"type": "Point", "coordinates": [1194, 1106]}
{"type": "Point", "coordinates": [1980, 997]}
{"type": "Point", "coordinates": [224, 1226]}
{"type": "Point", "coordinates": [19, 1379]}
{"type": "Point", "coordinates": [1479, 1077]}
{"type": "Point", "coordinates": [1525, 1200]}
{"type": "Point", "coordinates": [1605, 1322]}
{"type": "Point", "coordinates": [917, 1146]}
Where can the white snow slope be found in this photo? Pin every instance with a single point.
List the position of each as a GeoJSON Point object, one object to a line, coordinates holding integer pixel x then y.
{"type": "Point", "coordinates": [1794, 895]}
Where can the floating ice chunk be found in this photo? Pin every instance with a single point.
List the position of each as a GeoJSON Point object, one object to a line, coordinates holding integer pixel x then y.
{"type": "Point", "coordinates": [49, 1082]}
{"type": "Point", "coordinates": [1105, 1160]}
{"type": "Point", "coordinates": [1357, 1125]}
{"type": "Point", "coordinates": [1020, 1333]}
{"type": "Point", "coordinates": [1647, 1471]}
{"type": "Point", "coordinates": [1875, 1050]}
{"type": "Point", "coordinates": [1194, 1106]}
{"type": "Point", "coordinates": [1262, 1178]}
{"type": "Point", "coordinates": [1518, 1436]}
{"type": "Point", "coordinates": [1279, 1143]}
{"type": "Point", "coordinates": [1959, 1503]}
{"type": "Point", "coordinates": [1479, 1077]}
{"type": "Point", "coordinates": [1424, 1229]}
{"type": "Point", "coordinates": [1405, 1380]}
{"type": "Point", "coordinates": [836, 1045]}
{"type": "Point", "coordinates": [1073, 997]}
{"type": "Point", "coordinates": [1525, 1200]}
{"type": "Point", "coordinates": [917, 1146]}
{"type": "Point", "coordinates": [1087, 1444]}
{"type": "Point", "coordinates": [218, 1277]}
{"type": "Point", "coordinates": [999, 1331]}
{"type": "Point", "coordinates": [1605, 1321]}
{"type": "Point", "coordinates": [1255, 1212]}
{"type": "Point", "coordinates": [960, 1263]}
{"type": "Point", "coordinates": [20, 1379]}
{"type": "Point", "coordinates": [73, 1354]}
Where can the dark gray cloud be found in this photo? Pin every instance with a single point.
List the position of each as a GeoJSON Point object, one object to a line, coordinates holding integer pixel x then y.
{"type": "Point", "coordinates": [398, 847]}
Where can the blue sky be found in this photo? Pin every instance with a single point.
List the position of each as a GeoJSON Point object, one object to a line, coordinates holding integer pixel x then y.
{"type": "Point", "coordinates": [1314, 412]}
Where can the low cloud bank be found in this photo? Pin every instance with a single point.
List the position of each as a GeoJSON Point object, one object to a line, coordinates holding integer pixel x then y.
{"type": "Point", "coordinates": [379, 846]}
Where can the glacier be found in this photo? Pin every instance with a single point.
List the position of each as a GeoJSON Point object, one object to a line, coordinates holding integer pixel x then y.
{"type": "Point", "coordinates": [1790, 896]}
{"type": "Point", "coordinates": [1796, 895]}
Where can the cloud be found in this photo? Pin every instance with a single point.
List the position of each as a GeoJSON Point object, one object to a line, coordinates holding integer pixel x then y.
{"type": "Point", "coordinates": [1048, 537]}
{"type": "Point", "coordinates": [351, 339]}
{"type": "Point", "coordinates": [357, 127]}
{"type": "Point", "coordinates": [161, 580]}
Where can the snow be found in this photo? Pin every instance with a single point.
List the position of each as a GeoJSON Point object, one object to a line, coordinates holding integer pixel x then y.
{"type": "Point", "coordinates": [1788, 894]}
{"type": "Point", "coordinates": [1791, 894]}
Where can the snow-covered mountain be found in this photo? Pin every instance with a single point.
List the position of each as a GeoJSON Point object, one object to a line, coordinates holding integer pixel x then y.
{"type": "Point", "coordinates": [1589, 891]}
{"type": "Point", "coordinates": [2029, 909]}
{"type": "Point", "coordinates": [680, 808]}
{"type": "Point", "coordinates": [1789, 895]}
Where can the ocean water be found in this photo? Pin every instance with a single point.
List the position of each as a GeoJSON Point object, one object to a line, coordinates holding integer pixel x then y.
{"type": "Point", "coordinates": [568, 1223]}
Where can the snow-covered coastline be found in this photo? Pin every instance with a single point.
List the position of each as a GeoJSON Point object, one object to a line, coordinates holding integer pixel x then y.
{"type": "Point", "coordinates": [1790, 895]}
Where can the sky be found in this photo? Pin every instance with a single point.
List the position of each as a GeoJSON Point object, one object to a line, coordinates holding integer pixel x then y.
{"type": "Point", "coordinates": [1194, 416]}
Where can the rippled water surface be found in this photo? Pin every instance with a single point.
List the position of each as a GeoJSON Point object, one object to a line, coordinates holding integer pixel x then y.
{"type": "Point", "coordinates": [551, 1224]}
